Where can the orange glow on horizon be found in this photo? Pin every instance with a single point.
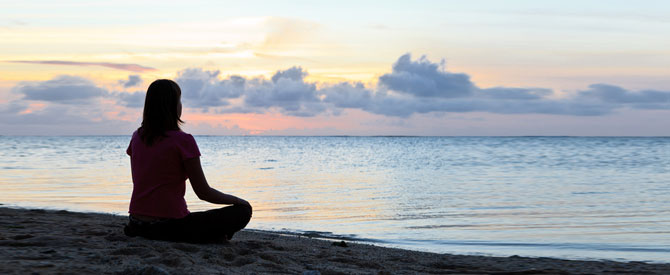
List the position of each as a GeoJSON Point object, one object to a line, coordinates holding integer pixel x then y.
{"type": "Point", "coordinates": [258, 124]}
{"type": "Point", "coordinates": [33, 107]}
{"type": "Point", "coordinates": [253, 123]}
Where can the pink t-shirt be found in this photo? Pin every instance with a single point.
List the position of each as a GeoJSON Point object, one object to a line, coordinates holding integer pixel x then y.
{"type": "Point", "coordinates": [159, 177]}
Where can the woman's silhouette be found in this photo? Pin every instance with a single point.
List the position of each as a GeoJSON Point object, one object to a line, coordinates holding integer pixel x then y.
{"type": "Point", "coordinates": [162, 157]}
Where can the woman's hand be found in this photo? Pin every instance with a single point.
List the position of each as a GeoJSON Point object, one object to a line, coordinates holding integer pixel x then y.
{"type": "Point", "coordinates": [202, 188]}
{"type": "Point", "coordinates": [243, 202]}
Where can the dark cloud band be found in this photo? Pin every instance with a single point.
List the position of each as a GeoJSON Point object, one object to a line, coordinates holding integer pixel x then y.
{"type": "Point", "coordinates": [412, 87]}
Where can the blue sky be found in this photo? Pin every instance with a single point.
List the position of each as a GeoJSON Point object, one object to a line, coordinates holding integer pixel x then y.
{"type": "Point", "coordinates": [345, 67]}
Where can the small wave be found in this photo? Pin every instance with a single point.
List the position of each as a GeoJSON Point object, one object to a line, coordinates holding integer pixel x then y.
{"type": "Point", "coordinates": [324, 235]}
{"type": "Point", "coordinates": [16, 168]}
{"type": "Point", "coordinates": [559, 246]}
{"type": "Point", "coordinates": [590, 193]}
{"type": "Point", "coordinates": [266, 168]}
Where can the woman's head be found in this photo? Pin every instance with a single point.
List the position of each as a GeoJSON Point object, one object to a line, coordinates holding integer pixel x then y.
{"type": "Point", "coordinates": [162, 110]}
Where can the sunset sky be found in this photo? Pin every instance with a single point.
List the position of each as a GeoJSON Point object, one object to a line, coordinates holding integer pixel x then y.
{"type": "Point", "coordinates": [340, 67]}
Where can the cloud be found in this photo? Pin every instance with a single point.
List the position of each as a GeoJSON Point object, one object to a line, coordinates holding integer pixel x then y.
{"type": "Point", "coordinates": [63, 105]}
{"type": "Point", "coordinates": [347, 95]}
{"type": "Point", "coordinates": [13, 107]}
{"type": "Point", "coordinates": [646, 99]}
{"type": "Point", "coordinates": [514, 93]}
{"type": "Point", "coordinates": [287, 33]}
{"type": "Point", "coordinates": [422, 86]}
{"type": "Point", "coordinates": [405, 106]}
{"type": "Point", "coordinates": [57, 119]}
{"type": "Point", "coordinates": [203, 89]}
{"type": "Point", "coordinates": [51, 115]}
{"type": "Point", "coordinates": [423, 78]}
{"type": "Point", "coordinates": [293, 73]}
{"type": "Point", "coordinates": [61, 89]}
{"type": "Point", "coordinates": [287, 91]}
{"type": "Point", "coordinates": [412, 87]}
{"type": "Point", "coordinates": [118, 66]}
{"type": "Point", "coordinates": [133, 80]}
{"type": "Point", "coordinates": [131, 100]}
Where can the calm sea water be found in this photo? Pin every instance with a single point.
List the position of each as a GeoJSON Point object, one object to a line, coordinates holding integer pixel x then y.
{"type": "Point", "coordinates": [567, 197]}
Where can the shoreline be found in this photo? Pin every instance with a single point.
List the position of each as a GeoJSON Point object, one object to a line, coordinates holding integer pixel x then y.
{"type": "Point", "coordinates": [330, 236]}
{"type": "Point", "coordinates": [59, 241]}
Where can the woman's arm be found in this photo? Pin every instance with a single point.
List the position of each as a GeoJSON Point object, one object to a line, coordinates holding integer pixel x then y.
{"type": "Point", "coordinates": [202, 188]}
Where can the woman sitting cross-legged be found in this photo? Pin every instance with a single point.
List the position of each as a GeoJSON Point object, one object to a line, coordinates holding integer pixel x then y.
{"type": "Point", "coordinates": [162, 157]}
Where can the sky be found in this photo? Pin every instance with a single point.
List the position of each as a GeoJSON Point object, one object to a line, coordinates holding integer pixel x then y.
{"type": "Point", "coordinates": [435, 68]}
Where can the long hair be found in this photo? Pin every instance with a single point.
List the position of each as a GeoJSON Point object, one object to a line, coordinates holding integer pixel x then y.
{"type": "Point", "coordinates": [160, 110]}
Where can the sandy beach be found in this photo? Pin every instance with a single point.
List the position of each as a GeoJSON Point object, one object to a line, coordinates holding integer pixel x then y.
{"type": "Point", "coordinates": [46, 242]}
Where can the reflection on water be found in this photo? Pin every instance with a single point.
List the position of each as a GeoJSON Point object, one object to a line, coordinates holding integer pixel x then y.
{"type": "Point", "coordinates": [541, 196]}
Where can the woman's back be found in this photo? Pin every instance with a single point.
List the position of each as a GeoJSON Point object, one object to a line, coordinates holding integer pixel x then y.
{"type": "Point", "coordinates": [159, 177]}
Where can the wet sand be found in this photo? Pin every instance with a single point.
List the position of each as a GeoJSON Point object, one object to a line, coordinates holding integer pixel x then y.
{"type": "Point", "coordinates": [47, 242]}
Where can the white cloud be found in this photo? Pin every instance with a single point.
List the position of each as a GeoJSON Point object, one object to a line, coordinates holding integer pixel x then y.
{"type": "Point", "coordinates": [423, 78]}
{"type": "Point", "coordinates": [133, 80]}
{"type": "Point", "coordinates": [62, 89]}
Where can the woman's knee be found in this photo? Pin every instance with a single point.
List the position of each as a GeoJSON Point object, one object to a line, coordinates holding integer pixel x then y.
{"type": "Point", "coordinates": [249, 209]}
{"type": "Point", "coordinates": [239, 210]}
{"type": "Point", "coordinates": [245, 212]}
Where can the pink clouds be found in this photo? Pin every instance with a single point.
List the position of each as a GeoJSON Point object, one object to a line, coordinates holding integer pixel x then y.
{"type": "Point", "coordinates": [118, 66]}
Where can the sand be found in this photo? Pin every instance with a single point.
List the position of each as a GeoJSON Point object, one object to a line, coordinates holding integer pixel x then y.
{"type": "Point", "coordinates": [46, 242]}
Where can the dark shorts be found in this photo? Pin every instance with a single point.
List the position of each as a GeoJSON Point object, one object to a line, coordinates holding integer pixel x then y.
{"type": "Point", "coordinates": [214, 225]}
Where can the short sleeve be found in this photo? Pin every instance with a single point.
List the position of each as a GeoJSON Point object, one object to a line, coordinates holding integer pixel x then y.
{"type": "Point", "coordinates": [187, 147]}
{"type": "Point", "coordinates": [129, 150]}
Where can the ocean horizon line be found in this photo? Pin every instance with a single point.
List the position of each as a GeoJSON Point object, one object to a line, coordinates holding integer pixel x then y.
{"type": "Point", "coordinates": [379, 136]}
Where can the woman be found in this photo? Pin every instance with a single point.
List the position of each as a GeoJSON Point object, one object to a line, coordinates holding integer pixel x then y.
{"type": "Point", "coordinates": [162, 157]}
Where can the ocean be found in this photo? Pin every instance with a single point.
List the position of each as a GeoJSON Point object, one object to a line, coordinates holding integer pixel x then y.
{"type": "Point", "coordinates": [564, 197]}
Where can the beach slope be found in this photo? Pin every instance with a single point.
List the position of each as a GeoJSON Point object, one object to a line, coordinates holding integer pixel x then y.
{"type": "Point", "coordinates": [46, 242]}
